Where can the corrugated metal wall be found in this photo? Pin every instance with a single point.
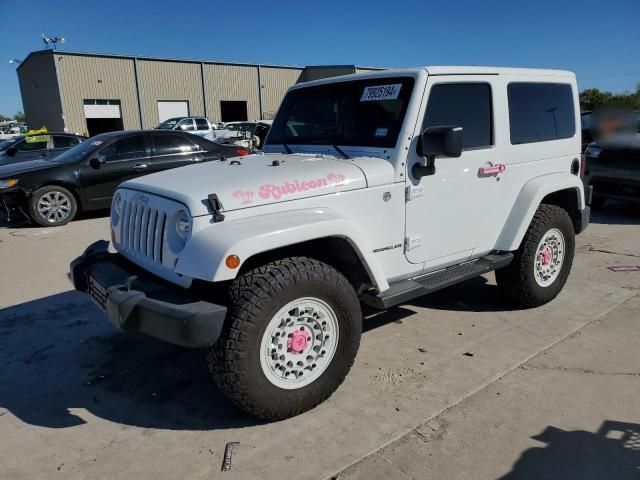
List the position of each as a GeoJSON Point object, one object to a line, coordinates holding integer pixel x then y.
{"type": "Point", "coordinates": [87, 77]}
{"type": "Point", "coordinates": [231, 82]}
{"type": "Point", "coordinates": [275, 83]}
{"type": "Point", "coordinates": [40, 95]}
{"type": "Point", "coordinates": [166, 80]}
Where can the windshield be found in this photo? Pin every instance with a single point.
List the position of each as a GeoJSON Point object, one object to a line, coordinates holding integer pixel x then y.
{"type": "Point", "coordinates": [78, 152]}
{"type": "Point", "coordinates": [170, 123]}
{"type": "Point", "coordinates": [4, 144]}
{"type": "Point", "coordinates": [358, 113]}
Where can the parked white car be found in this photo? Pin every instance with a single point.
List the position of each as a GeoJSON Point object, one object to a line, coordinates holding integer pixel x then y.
{"type": "Point", "coordinates": [374, 188]}
{"type": "Point", "coordinates": [245, 134]}
{"type": "Point", "coordinates": [200, 126]}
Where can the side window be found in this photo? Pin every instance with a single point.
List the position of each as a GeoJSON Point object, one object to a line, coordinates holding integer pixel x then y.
{"type": "Point", "coordinates": [27, 146]}
{"type": "Point", "coordinates": [65, 142]}
{"type": "Point", "coordinates": [127, 148]}
{"type": "Point", "coordinates": [186, 125]}
{"type": "Point", "coordinates": [172, 145]}
{"type": "Point", "coordinates": [466, 105]}
{"type": "Point", "coordinates": [202, 124]}
{"type": "Point", "coordinates": [539, 112]}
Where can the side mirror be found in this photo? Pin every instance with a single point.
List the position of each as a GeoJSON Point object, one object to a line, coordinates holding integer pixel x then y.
{"type": "Point", "coordinates": [11, 151]}
{"type": "Point", "coordinates": [96, 162]}
{"type": "Point", "coordinates": [445, 140]}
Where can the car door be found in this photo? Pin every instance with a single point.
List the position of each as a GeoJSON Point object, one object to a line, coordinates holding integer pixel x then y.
{"type": "Point", "coordinates": [186, 125]}
{"type": "Point", "coordinates": [202, 127]}
{"type": "Point", "coordinates": [31, 148]}
{"type": "Point", "coordinates": [120, 160]}
{"type": "Point", "coordinates": [172, 150]}
{"type": "Point", "coordinates": [452, 215]}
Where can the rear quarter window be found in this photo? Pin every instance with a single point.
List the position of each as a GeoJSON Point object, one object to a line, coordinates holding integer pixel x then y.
{"type": "Point", "coordinates": [540, 112]}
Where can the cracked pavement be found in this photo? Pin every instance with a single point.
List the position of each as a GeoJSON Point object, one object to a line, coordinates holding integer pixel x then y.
{"type": "Point", "coordinates": [457, 384]}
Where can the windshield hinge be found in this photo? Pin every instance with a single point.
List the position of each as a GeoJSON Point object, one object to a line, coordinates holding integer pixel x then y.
{"type": "Point", "coordinates": [413, 192]}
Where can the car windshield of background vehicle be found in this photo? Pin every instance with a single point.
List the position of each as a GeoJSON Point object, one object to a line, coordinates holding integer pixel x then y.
{"type": "Point", "coordinates": [7, 143]}
{"type": "Point", "coordinates": [169, 124]}
{"type": "Point", "coordinates": [79, 151]}
{"type": "Point", "coordinates": [356, 113]}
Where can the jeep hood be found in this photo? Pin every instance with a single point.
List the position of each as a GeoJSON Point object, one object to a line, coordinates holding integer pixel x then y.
{"type": "Point", "coordinates": [256, 180]}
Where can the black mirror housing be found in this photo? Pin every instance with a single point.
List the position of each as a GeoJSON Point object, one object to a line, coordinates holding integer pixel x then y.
{"type": "Point", "coordinates": [441, 140]}
{"type": "Point", "coordinates": [96, 162]}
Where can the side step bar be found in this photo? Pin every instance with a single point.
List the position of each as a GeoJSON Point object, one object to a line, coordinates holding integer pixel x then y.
{"type": "Point", "coordinates": [405, 290]}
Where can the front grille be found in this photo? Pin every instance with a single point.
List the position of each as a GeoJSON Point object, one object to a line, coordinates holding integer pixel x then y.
{"type": "Point", "coordinates": [142, 230]}
{"type": "Point", "coordinates": [98, 293]}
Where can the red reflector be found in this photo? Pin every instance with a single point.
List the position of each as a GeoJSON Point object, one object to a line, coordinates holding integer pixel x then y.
{"type": "Point", "coordinates": [583, 165]}
{"type": "Point", "coordinates": [242, 151]}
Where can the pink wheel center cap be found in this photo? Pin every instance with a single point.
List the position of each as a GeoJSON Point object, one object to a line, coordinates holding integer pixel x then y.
{"type": "Point", "coordinates": [546, 256]}
{"type": "Point", "coordinates": [298, 341]}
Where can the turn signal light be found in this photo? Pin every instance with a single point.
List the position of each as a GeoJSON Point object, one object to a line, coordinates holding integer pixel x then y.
{"type": "Point", "coordinates": [232, 261]}
{"type": "Point", "coordinates": [242, 152]}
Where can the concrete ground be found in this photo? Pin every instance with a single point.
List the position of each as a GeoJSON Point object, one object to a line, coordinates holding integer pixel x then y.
{"type": "Point", "coordinates": [454, 385]}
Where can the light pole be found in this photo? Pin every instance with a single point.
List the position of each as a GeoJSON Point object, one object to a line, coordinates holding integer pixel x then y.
{"type": "Point", "coordinates": [52, 40]}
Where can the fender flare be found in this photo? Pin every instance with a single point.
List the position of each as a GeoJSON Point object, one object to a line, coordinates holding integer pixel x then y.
{"type": "Point", "coordinates": [527, 202]}
{"type": "Point", "coordinates": [205, 253]}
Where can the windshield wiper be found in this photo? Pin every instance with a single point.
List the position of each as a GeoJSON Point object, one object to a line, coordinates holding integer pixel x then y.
{"type": "Point", "coordinates": [340, 151]}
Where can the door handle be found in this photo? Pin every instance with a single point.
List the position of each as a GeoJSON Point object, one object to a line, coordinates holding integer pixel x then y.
{"type": "Point", "coordinates": [140, 166]}
{"type": "Point", "coordinates": [492, 170]}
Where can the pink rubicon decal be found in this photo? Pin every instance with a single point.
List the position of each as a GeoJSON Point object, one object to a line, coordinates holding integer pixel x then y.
{"type": "Point", "coordinates": [276, 192]}
{"type": "Point", "coordinates": [298, 341]}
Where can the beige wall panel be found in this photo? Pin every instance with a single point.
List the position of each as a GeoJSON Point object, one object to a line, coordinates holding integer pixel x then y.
{"type": "Point", "coordinates": [165, 80]}
{"type": "Point", "coordinates": [40, 96]}
{"type": "Point", "coordinates": [105, 78]}
{"type": "Point", "coordinates": [276, 82]}
{"type": "Point", "coordinates": [231, 82]}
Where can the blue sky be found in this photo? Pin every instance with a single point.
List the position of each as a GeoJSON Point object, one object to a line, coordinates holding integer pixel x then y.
{"type": "Point", "coordinates": [599, 40]}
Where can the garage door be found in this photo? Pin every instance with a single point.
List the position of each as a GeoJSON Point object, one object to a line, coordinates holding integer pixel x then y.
{"type": "Point", "coordinates": [102, 116]}
{"type": "Point", "coordinates": [169, 109]}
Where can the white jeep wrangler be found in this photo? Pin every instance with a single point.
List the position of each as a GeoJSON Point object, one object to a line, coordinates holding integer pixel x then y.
{"type": "Point", "coordinates": [374, 189]}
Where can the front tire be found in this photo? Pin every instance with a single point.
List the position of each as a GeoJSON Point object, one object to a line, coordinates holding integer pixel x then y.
{"type": "Point", "coordinates": [291, 335]}
{"type": "Point", "coordinates": [541, 265]}
{"type": "Point", "coordinates": [52, 206]}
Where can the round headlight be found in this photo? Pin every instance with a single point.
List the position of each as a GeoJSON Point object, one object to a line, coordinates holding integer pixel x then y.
{"type": "Point", "coordinates": [183, 225]}
{"type": "Point", "coordinates": [116, 209]}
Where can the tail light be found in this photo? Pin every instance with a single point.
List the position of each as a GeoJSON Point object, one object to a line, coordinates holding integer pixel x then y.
{"type": "Point", "coordinates": [583, 165]}
{"type": "Point", "coordinates": [242, 152]}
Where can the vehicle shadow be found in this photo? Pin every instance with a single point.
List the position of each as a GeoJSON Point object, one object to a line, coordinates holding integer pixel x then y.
{"type": "Point", "coordinates": [613, 452]}
{"type": "Point", "coordinates": [19, 219]}
{"type": "Point", "coordinates": [616, 213]}
{"type": "Point", "coordinates": [58, 354]}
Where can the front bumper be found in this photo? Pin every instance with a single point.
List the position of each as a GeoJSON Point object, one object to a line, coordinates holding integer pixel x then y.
{"type": "Point", "coordinates": [582, 222]}
{"type": "Point", "coordinates": [136, 301]}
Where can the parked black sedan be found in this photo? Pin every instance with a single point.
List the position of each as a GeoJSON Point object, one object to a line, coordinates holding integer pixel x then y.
{"type": "Point", "coordinates": [613, 168]}
{"type": "Point", "coordinates": [33, 147]}
{"type": "Point", "coordinates": [86, 176]}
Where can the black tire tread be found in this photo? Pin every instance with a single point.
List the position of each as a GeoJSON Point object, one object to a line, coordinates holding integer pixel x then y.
{"type": "Point", "coordinates": [247, 293]}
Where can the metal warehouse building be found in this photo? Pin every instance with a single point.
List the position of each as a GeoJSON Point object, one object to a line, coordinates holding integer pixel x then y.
{"type": "Point", "coordinates": [92, 93]}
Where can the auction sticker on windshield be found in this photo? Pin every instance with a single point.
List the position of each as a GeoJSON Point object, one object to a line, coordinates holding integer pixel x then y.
{"type": "Point", "coordinates": [381, 92]}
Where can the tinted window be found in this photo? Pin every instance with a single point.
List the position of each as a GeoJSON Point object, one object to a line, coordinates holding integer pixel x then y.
{"type": "Point", "coordinates": [202, 124]}
{"type": "Point", "coordinates": [539, 112]}
{"type": "Point", "coordinates": [466, 105]}
{"type": "Point", "coordinates": [28, 146]}
{"type": "Point", "coordinates": [186, 125]}
{"type": "Point", "coordinates": [171, 145]}
{"type": "Point", "coordinates": [125, 149]}
{"type": "Point", "coordinates": [65, 142]}
{"type": "Point", "coordinates": [359, 112]}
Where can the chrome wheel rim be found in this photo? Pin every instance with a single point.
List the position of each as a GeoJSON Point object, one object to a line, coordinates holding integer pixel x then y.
{"type": "Point", "coordinates": [549, 257]}
{"type": "Point", "coordinates": [54, 206]}
{"type": "Point", "coordinates": [299, 343]}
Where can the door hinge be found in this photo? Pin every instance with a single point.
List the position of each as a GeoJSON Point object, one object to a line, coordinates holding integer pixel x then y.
{"type": "Point", "coordinates": [413, 192]}
{"type": "Point", "coordinates": [411, 242]}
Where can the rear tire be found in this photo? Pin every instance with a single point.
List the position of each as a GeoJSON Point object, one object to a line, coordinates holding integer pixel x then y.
{"type": "Point", "coordinates": [52, 206]}
{"type": "Point", "coordinates": [291, 335]}
{"type": "Point", "coordinates": [542, 264]}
